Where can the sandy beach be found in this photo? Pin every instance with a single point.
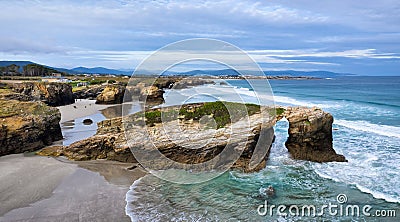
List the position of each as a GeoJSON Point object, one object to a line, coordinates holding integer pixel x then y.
{"type": "Point", "coordinates": [35, 188]}
{"type": "Point", "coordinates": [81, 108]}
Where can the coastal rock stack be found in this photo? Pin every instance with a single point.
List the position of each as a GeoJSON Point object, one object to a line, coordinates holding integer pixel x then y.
{"type": "Point", "coordinates": [310, 135]}
{"type": "Point", "coordinates": [53, 94]}
{"type": "Point", "coordinates": [27, 126]}
{"type": "Point", "coordinates": [112, 94]}
{"type": "Point", "coordinates": [152, 94]}
{"type": "Point", "coordinates": [188, 82]}
{"type": "Point", "coordinates": [89, 92]}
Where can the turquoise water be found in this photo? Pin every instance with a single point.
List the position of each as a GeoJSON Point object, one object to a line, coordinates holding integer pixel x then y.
{"type": "Point", "coordinates": [366, 113]}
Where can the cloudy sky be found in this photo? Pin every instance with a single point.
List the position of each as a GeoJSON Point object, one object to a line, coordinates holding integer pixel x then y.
{"type": "Point", "coordinates": [357, 36]}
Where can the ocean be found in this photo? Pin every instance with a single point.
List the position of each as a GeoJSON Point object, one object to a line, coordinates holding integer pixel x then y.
{"type": "Point", "coordinates": [366, 112]}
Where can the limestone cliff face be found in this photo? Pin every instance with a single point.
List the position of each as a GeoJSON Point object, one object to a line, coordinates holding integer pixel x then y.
{"type": "Point", "coordinates": [53, 94]}
{"type": "Point", "coordinates": [198, 133]}
{"type": "Point", "coordinates": [143, 89]}
{"type": "Point", "coordinates": [27, 126]}
{"type": "Point", "coordinates": [152, 94]}
{"type": "Point", "coordinates": [89, 93]}
{"type": "Point", "coordinates": [112, 94]}
{"type": "Point", "coordinates": [188, 140]}
{"type": "Point", "coordinates": [188, 82]}
{"type": "Point", "coordinates": [310, 135]}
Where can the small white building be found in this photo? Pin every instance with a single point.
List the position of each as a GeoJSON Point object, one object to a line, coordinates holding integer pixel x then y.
{"type": "Point", "coordinates": [59, 79]}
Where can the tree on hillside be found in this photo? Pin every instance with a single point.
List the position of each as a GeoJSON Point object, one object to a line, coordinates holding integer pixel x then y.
{"type": "Point", "coordinates": [37, 70]}
{"type": "Point", "coordinates": [13, 69]}
{"type": "Point", "coordinates": [10, 70]}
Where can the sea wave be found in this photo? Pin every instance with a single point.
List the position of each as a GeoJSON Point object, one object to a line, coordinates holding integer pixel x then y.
{"type": "Point", "coordinates": [383, 130]}
{"type": "Point", "coordinates": [292, 101]}
{"type": "Point", "coordinates": [364, 189]}
{"type": "Point", "coordinates": [130, 197]}
{"type": "Point", "coordinates": [377, 195]}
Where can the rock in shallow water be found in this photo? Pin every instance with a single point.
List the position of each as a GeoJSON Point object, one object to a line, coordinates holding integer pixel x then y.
{"type": "Point", "coordinates": [310, 135]}
{"type": "Point", "coordinates": [87, 122]}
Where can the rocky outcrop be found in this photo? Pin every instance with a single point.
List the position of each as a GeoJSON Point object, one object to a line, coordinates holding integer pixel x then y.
{"type": "Point", "coordinates": [189, 82]}
{"type": "Point", "coordinates": [214, 132]}
{"type": "Point", "coordinates": [112, 94]}
{"type": "Point", "coordinates": [152, 94]}
{"type": "Point", "coordinates": [310, 135]}
{"type": "Point", "coordinates": [180, 82]}
{"type": "Point", "coordinates": [144, 89]}
{"type": "Point", "coordinates": [90, 92]}
{"type": "Point", "coordinates": [189, 137]}
{"type": "Point", "coordinates": [53, 94]}
{"type": "Point", "coordinates": [27, 126]}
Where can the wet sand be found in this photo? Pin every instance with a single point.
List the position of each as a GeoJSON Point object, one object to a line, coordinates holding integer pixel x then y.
{"type": "Point", "coordinates": [81, 108]}
{"type": "Point", "coordinates": [35, 188]}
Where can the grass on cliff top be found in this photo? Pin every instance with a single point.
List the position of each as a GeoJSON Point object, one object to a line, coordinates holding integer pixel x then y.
{"type": "Point", "coordinates": [279, 111]}
{"type": "Point", "coordinates": [222, 112]}
{"type": "Point", "coordinates": [10, 108]}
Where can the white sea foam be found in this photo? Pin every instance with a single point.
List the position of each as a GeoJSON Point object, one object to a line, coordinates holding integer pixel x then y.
{"type": "Point", "coordinates": [383, 130]}
{"type": "Point", "coordinates": [377, 195]}
{"type": "Point", "coordinates": [292, 101]}
{"type": "Point", "coordinates": [341, 176]}
{"type": "Point", "coordinates": [326, 176]}
{"type": "Point", "coordinates": [372, 166]}
{"type": "Point", "coordinates": [242, 94]}
{"type": "Point", "coordinates": [130, 197]}
{"type": "Point", "coordinates": [367, 146]}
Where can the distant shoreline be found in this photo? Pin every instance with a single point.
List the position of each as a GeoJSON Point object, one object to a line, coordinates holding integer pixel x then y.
{"type": "Point", "coordinates": [267, 77]}
{"type": "Point", "coordinates": [18, 79]}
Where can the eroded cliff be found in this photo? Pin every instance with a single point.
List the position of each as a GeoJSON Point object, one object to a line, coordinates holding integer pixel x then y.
{"type": "Point", "coordinates": [53, 94]}
{"type": "Point", "coordinates": [27, 126]}
{"type": "Point", "coordinates": [191, 134]}
{"type": "Point", "coordinates": [310, 135]}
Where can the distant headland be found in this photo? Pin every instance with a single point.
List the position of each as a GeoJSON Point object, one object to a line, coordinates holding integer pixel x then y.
{"type": "Point", "coordinates": [32, 69]}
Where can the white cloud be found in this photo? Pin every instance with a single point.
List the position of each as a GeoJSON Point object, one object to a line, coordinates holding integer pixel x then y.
{"type": "Point", "coordinates": [354, 53]}
{"type": "Point", "coordinates": [119, 33]}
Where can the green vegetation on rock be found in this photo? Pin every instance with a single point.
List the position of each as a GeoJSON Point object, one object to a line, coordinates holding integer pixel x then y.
{"type": "Point", "coordinates": [9, 108]}
{"type": "Point", "coordinates": [153, 117]}
{"type": "Point", "coordinates": [279, 111]}
{"type": "Point", "coordinates": [222, 112]}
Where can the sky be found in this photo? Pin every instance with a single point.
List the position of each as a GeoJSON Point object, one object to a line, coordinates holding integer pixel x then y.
{"type": "Point", "coordinates": [358, 36]}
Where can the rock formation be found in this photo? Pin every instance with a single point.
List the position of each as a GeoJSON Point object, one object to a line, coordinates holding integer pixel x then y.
{"type": "Point", "coordinates": [112, 94]}
{"type": "Point", "coordinates": [188, 82]}
{"type": "Point", "coordinates": [152, 94]}
{"type": "Point", "coordinates": [197, 139]}
{"type": "Point", "coordinates": [53, 94]}
{"type": "Point", "coordinates": [27, 126]}
{"type": "Point", "coordinates": [198, 133]}
{"type": "Point", "coordinates": [179, 82]}
{"type": "Point", "coordinates": [310, 135]}
{"type": "Point", "coordinates": [144, 89]}
{"type": "Point", "coordinates": [90, 92]}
